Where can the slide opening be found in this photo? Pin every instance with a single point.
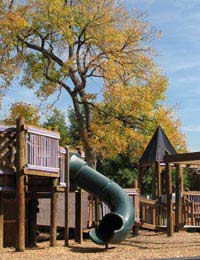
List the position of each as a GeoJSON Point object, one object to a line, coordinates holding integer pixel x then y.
{"type": "Point", "coordinates": [110, 223]}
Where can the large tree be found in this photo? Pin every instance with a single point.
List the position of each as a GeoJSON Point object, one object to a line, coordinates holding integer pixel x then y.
{"type": "Point", "coordinates": [57, 44]}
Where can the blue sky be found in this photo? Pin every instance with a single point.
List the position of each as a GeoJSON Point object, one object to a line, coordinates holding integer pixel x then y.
{"type": "Point", "coordinates": [178, 57]}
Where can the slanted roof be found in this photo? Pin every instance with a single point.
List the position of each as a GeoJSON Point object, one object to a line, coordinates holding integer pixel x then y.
{"type": "Point", "coordinates": [157, 148]}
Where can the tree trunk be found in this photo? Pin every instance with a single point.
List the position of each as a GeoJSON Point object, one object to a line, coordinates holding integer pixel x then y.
{"type": "Point", "coordinates": [90, 157]}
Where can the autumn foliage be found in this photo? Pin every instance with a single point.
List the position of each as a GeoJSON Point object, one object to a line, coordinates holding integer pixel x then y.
{"type": "Point", "coordinates": [63, 45]}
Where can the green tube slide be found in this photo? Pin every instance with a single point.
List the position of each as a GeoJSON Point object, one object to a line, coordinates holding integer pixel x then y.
{"type": "Point", "coordinates": [116, 225]}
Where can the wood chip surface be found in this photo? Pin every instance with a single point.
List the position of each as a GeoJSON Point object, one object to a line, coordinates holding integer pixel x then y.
{"type": "Point", "coordinates": [148, 245]}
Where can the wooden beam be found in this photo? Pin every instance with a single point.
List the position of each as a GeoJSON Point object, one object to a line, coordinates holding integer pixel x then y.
{"type": "Point", "coordinates": [1, 220]}
{"type": "Point", "coordinates": [53, 217]}
{"type": "Point", "coordinates": [78, 217]}
{"type": "Point", "coordinates": [41, 173]}
{"type": "Point", "coordinates": [179, 187]}
{"type": "Point", "coordinates": [184, 157]}
{"type": "Point", "coordinates": [169, 201]}
{"type": "Point", "coordinates": [67, 197]}
{"type": "Point", "coordinates": [20, 157]}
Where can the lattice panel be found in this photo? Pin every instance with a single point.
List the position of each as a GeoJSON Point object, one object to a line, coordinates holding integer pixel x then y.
{"type": "Point", "coordinates": [7, 149]}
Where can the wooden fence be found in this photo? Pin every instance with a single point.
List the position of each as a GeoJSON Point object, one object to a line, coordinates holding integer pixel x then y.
{"type": "Point", "coordinates": [191, 209]}
{"type": "Point", "coordinates": [153, 214]}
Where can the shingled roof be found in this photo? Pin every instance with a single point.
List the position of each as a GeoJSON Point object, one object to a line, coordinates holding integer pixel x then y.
{"type": "Point", "coordinates": [158, 146]}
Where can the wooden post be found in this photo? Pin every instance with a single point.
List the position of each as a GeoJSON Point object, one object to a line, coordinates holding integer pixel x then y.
{"type": "Point", "coordinates": [97, 211]}
{"type": "Point", "coordinates": [158, 174]}
{"type": "Point", "coordinates": [169, 201]}
{"type": "Point", "coordinates": [158, 191]}
{"type": "Point", "coordinates": [179, 186]}
{"type": "Point", "coordinates": [67, 197]}
{"type": "Point", "coordinates": [140, 176]}
{"type": "Point", "coordinates": [137, 211]}
{"type": "Point", "coordinates": [1, 220]}
{"type": "Point", "coordinates": [91, 206]}
{"type": "Point", "coordinates": [53, 227]}
{"type": "Point", "coordinates": [78, 218]}
{"type": "Point", "coordinates": [20, 156]}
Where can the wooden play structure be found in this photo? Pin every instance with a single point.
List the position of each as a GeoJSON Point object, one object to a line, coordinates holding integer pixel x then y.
{"type": "Point", "coordinates": [29, 163]}
{"type": "Point", "coordinates": [34, 167]}
{"type": "Point", "coordinates": [169, 206]}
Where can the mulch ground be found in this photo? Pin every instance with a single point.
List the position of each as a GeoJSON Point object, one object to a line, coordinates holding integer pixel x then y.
{"type": "Point", "coordinates": [148, 245]}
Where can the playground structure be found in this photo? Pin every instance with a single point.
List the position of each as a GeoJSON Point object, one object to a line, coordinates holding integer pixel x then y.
{"type": "Point", "coordinates": [33, 167]}
{"type": "Point", "coordinates": [170, 206]}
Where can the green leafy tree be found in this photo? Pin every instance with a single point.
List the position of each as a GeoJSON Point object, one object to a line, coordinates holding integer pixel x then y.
{"type": "Point", "coordinates": [57, 121]}
{"type": "Point", "coordinates": [120, 169]}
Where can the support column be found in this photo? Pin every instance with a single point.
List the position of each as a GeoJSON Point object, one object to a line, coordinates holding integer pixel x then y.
{"type": "Point", "coordinates": [78, 218]}
{"type": "Point", "coordinates": [158, 192]}
{"type": "Point", "coordinates": [20, 156]}
{"type": "Point", "coordinates": [91, 207]}
{"type": "Point", "coordinates": [179, 187]}
{"type": "Point", "coordinates": [97, 211]}
{"type": "Point", "coordinates": [158, 174]}
{"type": "Point", "coordinates": [169, 201]}
{"type": "Point", "coordinates": [53, 227]}
{"type": "Point", "coordinates": [136, 204]}
{"type": "Point", "coordinates": [1, 221]}
{"type": "Point", "coordinates": [67, 197]}
{"type": "Point", "coordinates": [140, 176]}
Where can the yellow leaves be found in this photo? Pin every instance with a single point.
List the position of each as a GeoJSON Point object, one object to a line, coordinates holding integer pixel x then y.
{"type": "Point", "coordinates": [73, 43]}
{"type": "Point", "coordinates": [21, 109]}
{"type": "Point", "coordinates": [167, 119]}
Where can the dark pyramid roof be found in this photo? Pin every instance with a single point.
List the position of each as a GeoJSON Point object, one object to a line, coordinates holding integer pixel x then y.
{"type": "Point", "coordinates": [158, 146]}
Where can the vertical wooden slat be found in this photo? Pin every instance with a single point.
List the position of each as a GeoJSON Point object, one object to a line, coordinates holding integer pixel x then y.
{"type": "Point", "coordinates": [20, 156]}
{"type": "Point", "coordinates": [192, 213]}
{"type": "Point", "coordinates": [1, 220]}
{"type": "Point", "coordinates": [78, 217]}
{"type": "Point", "coordinates": [53, 220]}
{"type": "Point", "coordinates": [169, 201]}
{"type": "Point", "coordinates": [31, 141]}
{"type": "Point", "coordinates": [66, 168]}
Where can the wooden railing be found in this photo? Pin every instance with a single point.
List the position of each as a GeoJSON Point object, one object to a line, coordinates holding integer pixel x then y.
{"type": "Point", "coordinates": [153, 215]}
{"type": "Point", "coordinates": [191, 208]}
{"type": "Point", "coordinates": [148, 213]}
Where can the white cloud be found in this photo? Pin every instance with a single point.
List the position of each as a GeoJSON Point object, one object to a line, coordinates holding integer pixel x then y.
{"type": "Point", "coordinates": [191, 128]}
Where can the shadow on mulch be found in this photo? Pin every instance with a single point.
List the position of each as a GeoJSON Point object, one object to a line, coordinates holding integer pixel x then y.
{"type": "Point", "coordinates": [88, 250]}
{"type": "Point", "coordinates": [148, 245]}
